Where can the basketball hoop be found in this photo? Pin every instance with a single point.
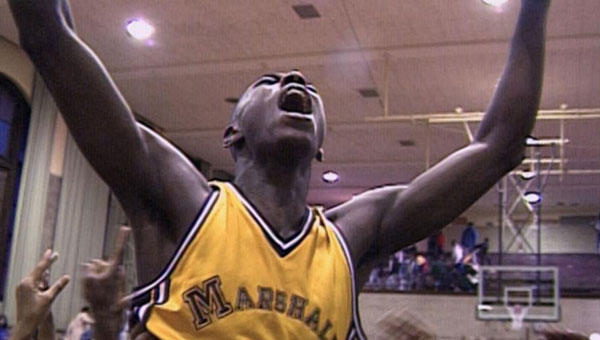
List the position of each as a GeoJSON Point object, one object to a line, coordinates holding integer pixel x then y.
{"type": "Point", "coordinates": [517, 314]}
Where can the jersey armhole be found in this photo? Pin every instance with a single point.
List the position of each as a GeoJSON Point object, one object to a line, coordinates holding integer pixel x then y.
{"type": "Point", "coordinates": [155, 291]}
{"type": "Point", "coordinates": [355, 329]}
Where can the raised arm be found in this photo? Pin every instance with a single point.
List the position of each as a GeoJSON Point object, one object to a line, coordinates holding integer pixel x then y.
{"type": "Point", "coordinates": [382, 221]}
{"type": "Point", "coordinates": [146, 174]}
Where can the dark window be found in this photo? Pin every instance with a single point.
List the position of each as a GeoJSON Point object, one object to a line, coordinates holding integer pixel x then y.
{"type": "Point", "coordinates": [14, 121]}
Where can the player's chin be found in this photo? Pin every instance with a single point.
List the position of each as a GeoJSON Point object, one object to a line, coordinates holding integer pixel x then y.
{"type": "Point", "coordinates": [295, 134]}
{"type": "Point", "coordinates": [297, 121]}
{"type": "Point", "coordinates": [299, 143]}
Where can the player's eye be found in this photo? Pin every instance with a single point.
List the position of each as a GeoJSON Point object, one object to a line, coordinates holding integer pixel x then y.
{"type": "Point", "coordinates": [312, 89]}
{"type": "Point", "coordinates": [268, 79]}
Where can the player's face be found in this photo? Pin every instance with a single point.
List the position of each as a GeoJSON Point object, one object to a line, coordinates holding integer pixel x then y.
{"type": "Point", "coordinates": [282, 110]}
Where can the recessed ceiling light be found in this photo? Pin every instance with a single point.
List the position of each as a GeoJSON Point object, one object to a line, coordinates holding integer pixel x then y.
{"type": "Point", "coordinates": [330, 177]}
{"type": "Point", "coordinates": [527, 175]}
{"type": "Point", "coordinates": [406, 142]}
{"type": "Point", "coordinates": [494, 3]}
{"type": "Point", "coordinates": [139, 29]}
{"type": "Point", "coordinates": [532, 197]}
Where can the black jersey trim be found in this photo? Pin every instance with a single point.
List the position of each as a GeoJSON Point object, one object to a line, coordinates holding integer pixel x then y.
{"type": "Point", "coordinates": [181, 248]}
{"type": "Point", "coordinates": [355, 327]}
{"type": "Point", "coordinates": [282, 246]}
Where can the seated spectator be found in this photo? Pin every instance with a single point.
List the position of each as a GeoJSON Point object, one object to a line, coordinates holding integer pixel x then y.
{"type": "Point", "coordinates": [481, 253]}
{"type": "Point", "coordinates": [435, 245]}
{"type": "Point", "coordinates": [440, 274]}
{"type": "Point", "coordinates": [457, 255]}
{"type": "Point", "coordinates": [422, 270]}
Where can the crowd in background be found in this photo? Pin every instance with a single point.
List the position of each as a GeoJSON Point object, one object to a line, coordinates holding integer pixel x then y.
{"type": "Point", "coordinates": [103, 284]}
{"type": "Point", "coordinates": [436, 269]}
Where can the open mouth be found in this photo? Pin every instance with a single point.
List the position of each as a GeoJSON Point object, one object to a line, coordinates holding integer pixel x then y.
{"type": "Point", "coordinates": [294, 98]}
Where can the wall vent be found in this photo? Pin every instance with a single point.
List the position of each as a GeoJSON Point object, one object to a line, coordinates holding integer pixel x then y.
{"type": "Point", "coordinates": [306, 11]}
{"type": "Point", "coordinates": [368, 92]}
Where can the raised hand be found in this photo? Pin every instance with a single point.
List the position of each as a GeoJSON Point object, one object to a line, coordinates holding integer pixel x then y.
{"type": "Point", "coordinates": [103, 288]}
{"type": "Point", "coordinates": [34, 297]}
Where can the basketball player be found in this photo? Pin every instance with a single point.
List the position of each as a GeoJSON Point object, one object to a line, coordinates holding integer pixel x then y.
{"type": "Point", "coordinates": [248, 259]}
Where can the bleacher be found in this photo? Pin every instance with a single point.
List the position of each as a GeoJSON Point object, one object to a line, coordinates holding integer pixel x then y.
{"type": "Point", "coordinates": [579, 274]}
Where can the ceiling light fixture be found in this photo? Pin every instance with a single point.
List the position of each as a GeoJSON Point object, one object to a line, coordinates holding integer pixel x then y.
{"type": "Point", "coordinates": [330, 177]}
{"type": "Point", "coordinates": [534, 141]}
{"type": "Point", "coordinates": [527, 175]}
{"type": "Point", "coordinates": [532, 197]}
{"type": "Point", "coordinates": [139, 29]}
{"type": "Point", "coordinates": [494, 3]}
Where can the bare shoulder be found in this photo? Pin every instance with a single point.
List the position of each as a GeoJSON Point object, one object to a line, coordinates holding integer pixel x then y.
{"type": "Point", "coordinates": [360, 218]}
{"type": "Point", "coordinates": [170, 206]}
{"type": "Point", "coordinates": [180, 188]}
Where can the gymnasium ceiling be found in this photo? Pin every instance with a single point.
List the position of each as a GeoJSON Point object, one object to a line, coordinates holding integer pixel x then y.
{"type": "Point", "coordinates": [434, 56]}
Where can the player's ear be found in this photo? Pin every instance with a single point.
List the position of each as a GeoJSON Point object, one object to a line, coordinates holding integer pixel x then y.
{"type": "Point", "coordinates": [232, 136]}
{"type": "Point", "coordinates": [320, 155]}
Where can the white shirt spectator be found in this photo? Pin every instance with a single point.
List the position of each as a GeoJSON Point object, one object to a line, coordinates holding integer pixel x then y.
{"type": "Point", "coordinates": [457, 253]}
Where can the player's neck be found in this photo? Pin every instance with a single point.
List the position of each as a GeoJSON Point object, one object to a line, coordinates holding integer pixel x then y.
{"type": "Point", "coordinates": [280, 196]}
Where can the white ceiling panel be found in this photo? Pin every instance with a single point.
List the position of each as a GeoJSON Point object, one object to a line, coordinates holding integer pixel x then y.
{"type": "Point", "coordinates": [434, 55]}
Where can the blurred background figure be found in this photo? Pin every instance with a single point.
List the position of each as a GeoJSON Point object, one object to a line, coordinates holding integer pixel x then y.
{"type": "Point", "coordinates": [4, 333]}
{"type": "Point", "coordinates": [468, 238]}
{"type": "Point", "coordinates": [403, 324]}
{"type": "Point", "coordinates": [81, 325]}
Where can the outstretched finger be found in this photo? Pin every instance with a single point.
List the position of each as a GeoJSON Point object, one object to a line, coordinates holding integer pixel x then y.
{"type": "Point", "coordinates": [57, 287]}
{"type": "Point", "coordinates": [43, 265]}
{"type": "Point", "coordinates": [117, 256]}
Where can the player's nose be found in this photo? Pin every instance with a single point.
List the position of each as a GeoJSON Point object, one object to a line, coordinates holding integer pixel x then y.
{"type": "Point", "coordinates": [293, 76]}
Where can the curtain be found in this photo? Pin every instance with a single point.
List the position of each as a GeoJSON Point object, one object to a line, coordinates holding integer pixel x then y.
{"type": "Point", "coordinates": [85, 216]}
{"type": "Point", "coordinates": [31, 205]}
{"type": "Point", "coordinates": [80, 228]}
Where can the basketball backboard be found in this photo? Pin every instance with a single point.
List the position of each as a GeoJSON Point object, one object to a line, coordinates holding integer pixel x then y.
{"type": "Point", "coordinates": [533, 289]}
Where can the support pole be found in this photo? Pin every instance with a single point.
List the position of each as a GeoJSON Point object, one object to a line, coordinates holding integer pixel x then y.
{"type": "Point", "coordinates": [427, 145]}
{"type": "Point", "coordinates": [538, 208]}
{"type": "Point", "coordinates": [501, 215]}
{"type": "Point", "coordinates": [386, 86]}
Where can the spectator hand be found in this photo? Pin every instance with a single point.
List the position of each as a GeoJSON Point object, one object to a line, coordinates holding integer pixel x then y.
{"type": "Point", "coordinates": [103, 288]}
{"type": "Point", "coordinates": [34, 297]}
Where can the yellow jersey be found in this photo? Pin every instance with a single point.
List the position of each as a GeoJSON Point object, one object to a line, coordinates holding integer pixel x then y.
{"type": "Point", "coordinates": [233, 277]}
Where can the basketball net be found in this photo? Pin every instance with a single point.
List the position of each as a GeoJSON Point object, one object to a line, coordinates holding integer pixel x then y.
{"type": "Point", "coordinates": [517, 314]}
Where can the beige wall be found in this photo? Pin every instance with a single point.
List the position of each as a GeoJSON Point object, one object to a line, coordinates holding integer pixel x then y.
{"type": "Point", "coordinates": [16, 66]}
{"type": "Point", "coordinates": [453, 317]}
